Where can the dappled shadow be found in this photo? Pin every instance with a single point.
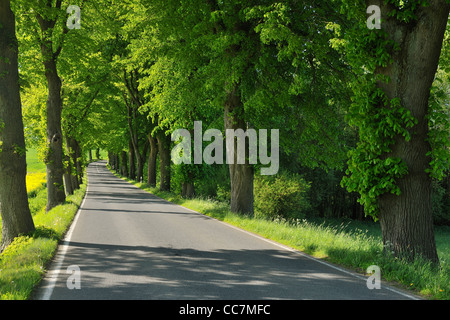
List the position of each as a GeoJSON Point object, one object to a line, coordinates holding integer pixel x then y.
{"type": "Point", "coordinates": [150, 212]}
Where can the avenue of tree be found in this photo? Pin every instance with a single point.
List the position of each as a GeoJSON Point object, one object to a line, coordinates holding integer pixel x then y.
{"type": "Point", "coordinates": [363, 113]}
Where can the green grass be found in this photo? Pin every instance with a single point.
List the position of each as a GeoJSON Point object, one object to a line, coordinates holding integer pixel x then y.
{"type": "Point", "coordinates": [352, 244]}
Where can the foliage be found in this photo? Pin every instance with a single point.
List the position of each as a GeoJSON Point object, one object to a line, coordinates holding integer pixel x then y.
{"type": "Point", "coordinates": [439, 115]}
{"type": "Point", "coordinates": [380, 120]}
{"type": "Point", "coordinates": [441, 203]}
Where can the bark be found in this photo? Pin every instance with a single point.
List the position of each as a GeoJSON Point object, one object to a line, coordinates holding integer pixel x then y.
{"type": "Point", "coordinates": [68, 186]}
{"type": "Point", "coordinates": [406, 220]}
{"type": "Point", "coordinates": [70, 176]}
{"type": "Point", "coordinates": [131, 80]}
{"type": "Point", "coordinates": [123, 164]}
{"type": "Point", "coordinates": [153, 154]}
{"type": "Point", "coordinates": [141, 164]}
{"type": "Point", "coordinates": [241, 175]}
{"type": "Point", "coordinates": [15, 212]}
{"type": "Point", "coordinates": [132, 162]}
{"type": "Point", "coordinates": [164, 161]}
{"type": "Point", "coordinates": [111, 160]}
{"type": "Point", "coordinates": [140, 160]}
{"type": "Point", "coordinates": [139, 167]}
{"type": "Point", "coordinates": [54, 158]}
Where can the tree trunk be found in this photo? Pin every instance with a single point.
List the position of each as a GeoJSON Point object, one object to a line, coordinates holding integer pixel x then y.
{"type": "Point", "coordinates": [77, 159]}
{"type": "Point", "coordinates": [68, 176]}
{"type": "Point", "coordinates": [54, 153]}
{"type": "Point", "coordinates": [15, 212]}
{"type": "Point", "coordinates": [187, 190]}
{"type": "Point", "coordinates": [152, 156]}
{"type": "Point", "coordinates": [140, 162]}
{"type": "Point", "coordinates": [117, 161]}
{"type": "Point", "coordinates": [139, 166]}
{"type": "Point", "coordinates": [123, 164]}
{"type": "Point", "coordinates": [406, 220]}
{"type": "Point", "coordinates": [241, 175]}
{"type": "Point", "coordinates": [110, 159]}
{"type": "Point", "coordinates": [164, 160]}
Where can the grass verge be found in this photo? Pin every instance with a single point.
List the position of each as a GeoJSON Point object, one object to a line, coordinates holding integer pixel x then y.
{"type": "Point", "coordinates": [352, 244]}
{"type": "Point", "coordinates": [24, 262]}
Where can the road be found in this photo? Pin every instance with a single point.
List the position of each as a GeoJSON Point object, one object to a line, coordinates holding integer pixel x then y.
{"type": "Point", "coordinates": [128, 244]}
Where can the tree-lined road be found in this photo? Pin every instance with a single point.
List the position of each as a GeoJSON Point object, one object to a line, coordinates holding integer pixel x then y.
{"type": "Point", "coordinates": [129, 244]}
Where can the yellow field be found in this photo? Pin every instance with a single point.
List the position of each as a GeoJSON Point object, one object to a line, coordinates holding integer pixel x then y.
{"type": "Point", "coordinates": [35, 180]}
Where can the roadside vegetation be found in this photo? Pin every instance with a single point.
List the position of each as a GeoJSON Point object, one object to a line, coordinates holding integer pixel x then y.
{"type": "Point", "coordinates": [357, 132]}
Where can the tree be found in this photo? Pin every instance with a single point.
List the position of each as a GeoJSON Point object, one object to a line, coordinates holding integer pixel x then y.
{"type": "Point", "coordinates": [257, 64]}
{"type": "Point", "coordinates": [390, 167]}
{"type": "Point", "coordinates": [15, 212]}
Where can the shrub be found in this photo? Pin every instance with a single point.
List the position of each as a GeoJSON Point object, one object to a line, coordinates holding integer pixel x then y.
{"type": "Point", "coordinates": [281, 196]}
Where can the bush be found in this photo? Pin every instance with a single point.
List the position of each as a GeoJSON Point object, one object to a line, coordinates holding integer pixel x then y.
{"type": "Point", "coordinates": [441, 204]}
{"type": "Point", "coordinates": [281, 196]}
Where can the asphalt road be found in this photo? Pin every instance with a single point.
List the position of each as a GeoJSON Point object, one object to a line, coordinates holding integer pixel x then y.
{"type": "Point", "coordinates": [128, 244]}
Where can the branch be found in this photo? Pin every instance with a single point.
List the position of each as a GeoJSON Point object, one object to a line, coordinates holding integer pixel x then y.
{"type": "Point", "coordinates": [131, 89]}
